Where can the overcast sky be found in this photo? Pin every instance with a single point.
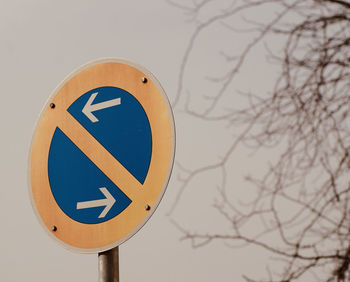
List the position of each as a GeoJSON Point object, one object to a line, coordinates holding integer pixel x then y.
{"type": "Point", "coordinates": [40, 43]}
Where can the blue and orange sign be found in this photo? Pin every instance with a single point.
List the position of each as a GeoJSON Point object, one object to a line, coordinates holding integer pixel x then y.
{"type": "Point", "coordinates": [101, 155]}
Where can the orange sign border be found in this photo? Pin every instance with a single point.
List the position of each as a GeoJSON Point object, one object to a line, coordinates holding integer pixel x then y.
{"type": "Point", "coordinates": [93, 238]}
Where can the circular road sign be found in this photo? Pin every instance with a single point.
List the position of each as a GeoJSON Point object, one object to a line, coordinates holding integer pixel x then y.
{"type": "Point", "coordinates": [101, 155]}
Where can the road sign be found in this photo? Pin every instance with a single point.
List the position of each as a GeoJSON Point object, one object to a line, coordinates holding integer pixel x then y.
{"type": "Point", "coordinates": [101, 155]}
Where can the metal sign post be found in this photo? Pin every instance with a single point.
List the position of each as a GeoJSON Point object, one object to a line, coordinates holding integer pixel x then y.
{"type": "Point", "coordinates": [108, 265]}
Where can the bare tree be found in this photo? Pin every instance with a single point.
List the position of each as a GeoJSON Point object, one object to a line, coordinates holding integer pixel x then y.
{"type": "Point", "coordinates": [305, 118]}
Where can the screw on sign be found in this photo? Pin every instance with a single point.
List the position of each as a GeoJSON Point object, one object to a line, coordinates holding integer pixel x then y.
{"type": "Point", "coordinates": [101, 155]}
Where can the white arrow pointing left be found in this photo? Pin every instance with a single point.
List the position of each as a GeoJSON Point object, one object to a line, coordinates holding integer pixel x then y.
{"type": "Point", "coordinates": [89, 108]}
{"type": "Point", "coordinates": [108, 202]}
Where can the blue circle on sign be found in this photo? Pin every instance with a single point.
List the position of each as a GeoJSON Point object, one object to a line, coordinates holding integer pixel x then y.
{"type": "Point", "coordinates": [119, 123]}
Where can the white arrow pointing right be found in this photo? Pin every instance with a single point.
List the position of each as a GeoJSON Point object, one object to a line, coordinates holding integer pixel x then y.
{"type": "Point", "coordinates": [108, 202]}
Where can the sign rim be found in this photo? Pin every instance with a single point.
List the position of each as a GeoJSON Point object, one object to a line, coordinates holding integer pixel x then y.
{"type": "Point", "coordinates": [165, 99]}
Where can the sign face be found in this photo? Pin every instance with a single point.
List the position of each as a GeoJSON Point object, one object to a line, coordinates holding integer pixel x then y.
{"type": "Point", "coordinates": [101, 155]}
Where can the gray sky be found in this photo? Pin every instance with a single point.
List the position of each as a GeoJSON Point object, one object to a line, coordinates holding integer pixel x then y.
{"type": "Point", "coordinates": [43, 41]}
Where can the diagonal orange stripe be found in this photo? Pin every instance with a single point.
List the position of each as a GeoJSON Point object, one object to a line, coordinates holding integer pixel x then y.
{"type": "Point", "coordinates": [110, 166]}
